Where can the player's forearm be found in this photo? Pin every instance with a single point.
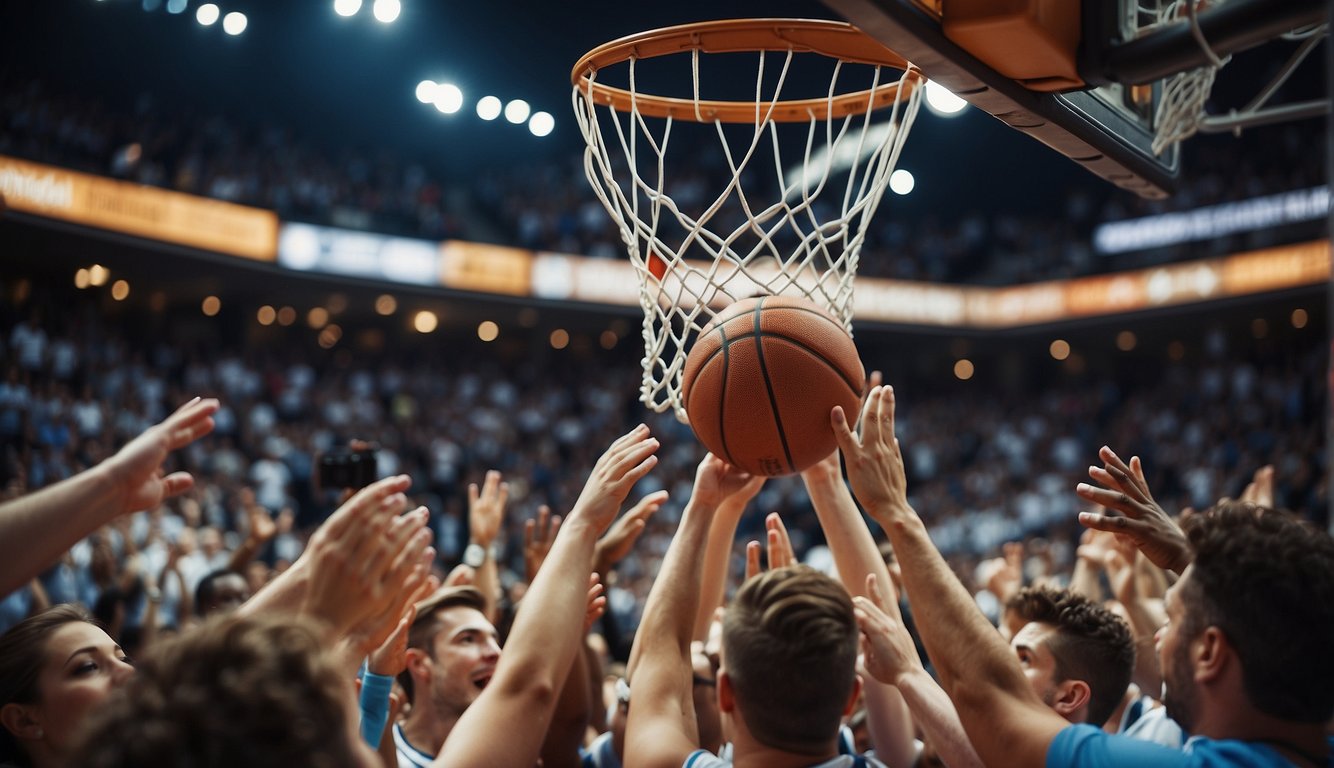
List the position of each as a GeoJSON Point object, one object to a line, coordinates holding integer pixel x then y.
{"type": "Point", "coordinates": [665, 631]}
{"type": "Point", "coordinates": [933, 711]}
{"type": "Point", "coordinates": [36, 529]}
{"type": "Point", "coordinates": [717, 560]}
{"type": "Point", "coordinates": [972, 660]}
{"type": "Point", "coordinates": [889, 722]}
{"type": "Point", "coordinates": [850, 541]}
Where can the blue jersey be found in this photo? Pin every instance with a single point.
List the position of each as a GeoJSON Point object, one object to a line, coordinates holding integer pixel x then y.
{"type": "Point", "coordinates": [1087, 746]}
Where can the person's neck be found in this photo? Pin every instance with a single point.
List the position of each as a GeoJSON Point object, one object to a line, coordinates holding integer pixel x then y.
{"type": "Point", "coordinates": [749, 753]}
{"type": "Point", "coordinates": [426, 730]}
{"type": "Point", "coordinates": [1304, 744]}
{"type": "Point", "coordinates": [1113, 724]}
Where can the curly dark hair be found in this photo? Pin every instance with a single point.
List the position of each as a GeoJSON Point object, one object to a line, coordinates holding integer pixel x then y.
{"type": "Point", "coordinates": [235, 691]}
{"type": "Point", "coordinates": [1091, 643]}
{"type": "Point", "coordinates": [1266, 579]}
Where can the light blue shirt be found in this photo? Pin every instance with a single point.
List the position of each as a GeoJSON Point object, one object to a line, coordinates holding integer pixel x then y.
{"type": "Point", "coordinates": [1087, 746]}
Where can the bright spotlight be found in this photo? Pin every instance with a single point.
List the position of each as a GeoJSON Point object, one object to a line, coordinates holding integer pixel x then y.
{"type": "Point", "coordinates": [234, 23]}
{"type": "Point", "coordinates": [941, 101]}
{"type": "Point", "coordinates": [488, 108]}
{"type": "Point", "coordinates": [426, 91]}
{"type": "Point", "coordinates": [517, 111]}
{"type": "Point", "coordinates": [207, 14]}
{"type": "Point", "coordinates": [176, 6]}
{"type": "Point", "coordinates": [347, 7]}
{"type": "Point", "coordinates": [541, 123]}
{"type": "Point", "coordinates": [448, 98]}
{"type": "Point", "coordinates": [901, 182]}
{"type": "Point", "coordinates": [386, 10]}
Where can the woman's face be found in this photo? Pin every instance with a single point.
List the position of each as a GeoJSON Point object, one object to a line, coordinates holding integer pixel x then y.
{"type": "Point", "coordinates": [82, 666]}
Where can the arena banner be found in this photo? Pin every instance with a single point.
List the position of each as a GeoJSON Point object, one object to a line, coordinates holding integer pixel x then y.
{"type": "Point", "coordinates": [135, 209]}
{"type": "Point", "coordinates": [309, 248]}
{"type": "Point", "coordinates": [486, 268]}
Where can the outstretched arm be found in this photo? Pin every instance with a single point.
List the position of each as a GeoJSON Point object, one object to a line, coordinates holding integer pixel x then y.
{"type": "Point", "coordinates": [718, 554]}
{"type": "Point", "coordinates": [486, 513]}
{"type": "Point", "coordinates": [858, 561]}
{"type": "Point", "coordinates": [892, 658]}
{"type": "Point", "coordinates": [1141, 519]}
{"type": "Point", "coordinates": [661, 731]}
{"type": "Point", "coordinates": [548, 629]}
{"type": "Point", "coordinates": [1005, 720]}
{"type": "Point", "coordinates": [37, 528]}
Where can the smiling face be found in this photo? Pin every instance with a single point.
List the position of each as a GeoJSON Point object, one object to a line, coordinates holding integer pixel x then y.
{"type": "Point", "coordinates": [83, 665]}
{"type": "Point", "coordinates": [463, 658]}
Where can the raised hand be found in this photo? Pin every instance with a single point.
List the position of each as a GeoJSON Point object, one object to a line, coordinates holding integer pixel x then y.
{"type": "Point", "coordinates": [716, 481]}
{"type": "Point", "coordinates": [887, 647]}
{"type": "Point", "coordinates": [874, 461]}
{"type": "Point", "coordinates": [486, 508]}
{"type": "Point", "coordinates": [620, 538]}
{"type": "Point", "coordinates": [136, 469]}
{"type": "Point", "coordinates": [1260, 491]}
{"type": "Point", "coordinates": [1141, 519]}
{"type": "Point", "coordinates": [778, 546]}
{"type": "Point", "coordinates": [597, 602]}
{"type": "Point", "coordinates": [628, 459]}
{"type": "Point", "coordinates": [391, 657]}
{"type": "Point", "coordinates": [538, 536]}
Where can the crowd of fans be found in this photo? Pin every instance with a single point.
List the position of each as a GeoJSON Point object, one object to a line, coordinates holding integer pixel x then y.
{"type": "Point", "coordinates": [550, 206]}
{"type": "Point", "coordinates": [494, 452]}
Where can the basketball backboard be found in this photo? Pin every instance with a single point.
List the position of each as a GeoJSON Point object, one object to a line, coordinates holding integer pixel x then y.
{"type": "Point", "coordinates": [1103, 118]}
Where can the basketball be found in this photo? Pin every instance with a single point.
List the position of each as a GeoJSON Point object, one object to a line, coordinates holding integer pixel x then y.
{"type": "Point", "coordinates": [761, 379]}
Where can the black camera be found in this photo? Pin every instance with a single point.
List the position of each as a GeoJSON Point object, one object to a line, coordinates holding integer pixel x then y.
{"type": "Point", "coordinates": [347, 468]}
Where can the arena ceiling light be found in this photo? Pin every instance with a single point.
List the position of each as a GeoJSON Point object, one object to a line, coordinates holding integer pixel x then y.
{"type": "Point", "coordinates": [347, 7]}
{"type": "Point", "coordinates": [426, 91]}
{"type": "Point", "coordinates": [176, 6]}
{"type": "Point", "coordinates": [488, 108]}
{"type": "Point", "coordinates": [448, 98]}
{"type": "Point", "coordinates": [207, 14]}
{"type": "Point", "coordinates": [940, 101]}
{"type": "Point", "coordinates": [386, 10]}
{"type": "Point", "coordinates": [541, 123]}
{"type": "Point", "coordinates": [517, 111]}
{"type": "Point", "coordinates": [234, 23]}
{"type": "Point", "coordinates": [901, 181]}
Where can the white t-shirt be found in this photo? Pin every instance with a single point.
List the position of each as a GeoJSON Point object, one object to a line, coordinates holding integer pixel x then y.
{"type": "Point", "coordinates": [408, 755]}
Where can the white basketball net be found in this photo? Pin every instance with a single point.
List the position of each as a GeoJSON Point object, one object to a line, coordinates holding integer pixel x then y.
{"type": "Point", "coordinates": [1181, 105]}
{"type": "Point", "coordinates": [708, 252]}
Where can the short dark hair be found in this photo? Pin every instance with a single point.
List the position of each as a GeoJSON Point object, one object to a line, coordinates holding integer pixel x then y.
{"type": "Point", "coordinates": [207, 588]}
{"type": "Point", "coordinates": [22, 653]}
{"type": "Point", "coordinates": [254, 691]}
{"type": "Point", "coordinates": [1091, 643]}
{"type": "Point", "coordinates": [788, 619]}
{"type": "Point", "coordinates": [1266, 579]}
{"type": "Point", "coordinates": [427, 624]}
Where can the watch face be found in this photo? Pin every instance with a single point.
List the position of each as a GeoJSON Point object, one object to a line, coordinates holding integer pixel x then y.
{"type": "Point", "coordinates": [474, 555]}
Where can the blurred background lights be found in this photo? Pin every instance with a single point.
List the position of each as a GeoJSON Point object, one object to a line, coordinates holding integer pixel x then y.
{"type": "Point", "coordinates": [386, 10]}
{"type": "Point", "coordinates": [386, 305]}
{"type": "Point", "coordinates": [266, 315]}
{"type": "Point", "coordinates": [963, 369]}
{"type": "Point", "coordinates": [81, 279]}
{"type": "Point", "coordinates": [317, 317]}
{"type": "Point", "coordinates": [541, 123]}
{"type": "Point", "coordinates": [425, 321]}
{"type": "Point", "coordinates": [426, 91]}
{"type": "Point", "coordinates": [560, 338]}
{"type": "Point", "coordinates": [940, 101]}
{"type": "Point", "coordinates": [448, 98]}
{"type": "Point", "coordinates": [901, 181]}
{"type": "Point", "coordinates": [347, 7]}
{"type": "Point", "coordinates": [98, 274]}
{"type": "Point", "coordinates": [488, 108]}
{"type": "Point", "coordinates": [1125, 341]}
{"type": "Point", "coordinates": [1060, 349]}
{"type": "Point", "coordinates": [119, 290]}
{"type": "Point", "coordinates": [234, 23]}
{"type": "Point", "coordinates": [488, 330]}
{"type": "Point", "coordinates": [207, 14]}
{"type": "Point", "coordinates": [517, 111]}
{"type": "Point", "coordinates": [608, 339]}
{"type": "Point", "coordinates": [176, 6]}
{"type": "Point", "coordinates": [211, 306]}
{"type": "Point", "coordinates": [286, 316]}
{"type": "Point", "coordinates": [1299, 318]}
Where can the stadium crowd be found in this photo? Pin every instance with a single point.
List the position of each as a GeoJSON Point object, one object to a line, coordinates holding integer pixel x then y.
{"type": "Point", "coordinates": [549, 206]}
{"type": "Point", "coordinates": [253, 596]}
